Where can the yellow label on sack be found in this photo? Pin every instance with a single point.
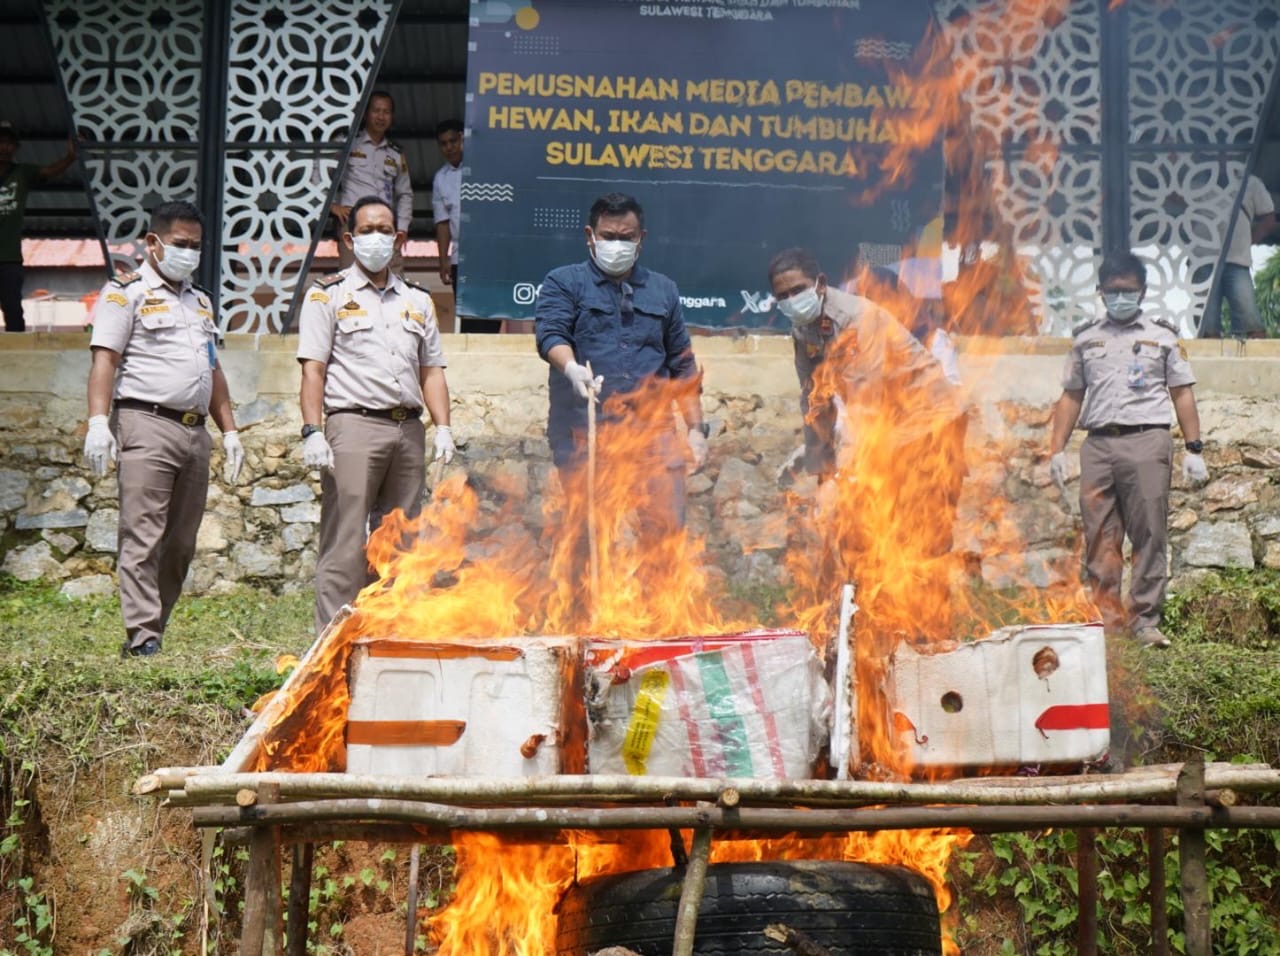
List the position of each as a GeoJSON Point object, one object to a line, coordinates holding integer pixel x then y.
{"type": "Point", "coordinates": [317, 296]}
{"type": "Point", "coordinates": [153, 309]}
{"type": "Point", "coordinates": [117, 298]}
{"type": "Point", "coordinates": [643, 728]}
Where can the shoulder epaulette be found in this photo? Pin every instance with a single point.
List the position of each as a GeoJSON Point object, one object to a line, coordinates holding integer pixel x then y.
{"type": "Point", "coordinates": [394, 145]}
{"type": "Point", "coordinates": [1077, 329]}
{"type": "Point", "coordinates": [200, 288]}
{"type": "Point", "coordinates": [414, 285]}
{"type": "Point", "coordinates": [1166, 324]}
{"type": "Point", "coordinates": [127, 278]}
{"type": "Point", "coordinates": [329, 280]}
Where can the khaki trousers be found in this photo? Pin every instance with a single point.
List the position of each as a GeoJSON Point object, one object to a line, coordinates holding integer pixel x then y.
{"type": "Point", "coordinates": [378, 466]}
{"type": "Point", "coordinates": [163, 473]}
{"type": "Point", "coordinates": [1124, 490]}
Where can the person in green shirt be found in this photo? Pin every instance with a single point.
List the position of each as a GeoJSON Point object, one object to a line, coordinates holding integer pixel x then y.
{"type": "Point", "coordinates": [16, 180]}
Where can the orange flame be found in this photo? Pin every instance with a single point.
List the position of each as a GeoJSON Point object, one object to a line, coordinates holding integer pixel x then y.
{"type": "Point", "coordinates": [887, 521]}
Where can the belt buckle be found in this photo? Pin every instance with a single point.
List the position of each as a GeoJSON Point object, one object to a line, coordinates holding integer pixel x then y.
{"type": "Point", "coordinates": [190, 418]}
{"type": "Point", "coordinates": [399, 414]}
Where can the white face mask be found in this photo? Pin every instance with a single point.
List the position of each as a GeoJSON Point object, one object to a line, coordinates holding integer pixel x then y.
{"type": "Point", "coordinates": [374, 249]}
{"type": "Point", "coordinates": [615, 257]}
{"type": "Point", "coordinates": [1122, 306]}
{"type": "Point", "coordinates": [803, 307]}
{"type": "Point", "coordinates": [178, 263]}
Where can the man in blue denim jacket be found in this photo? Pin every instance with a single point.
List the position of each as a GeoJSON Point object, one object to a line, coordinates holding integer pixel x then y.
{"type": "Point", "coordinates": [625, 322]}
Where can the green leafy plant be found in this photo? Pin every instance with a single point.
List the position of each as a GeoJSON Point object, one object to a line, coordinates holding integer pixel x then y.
{"type": "Point", "coordinates": [1037, 874]}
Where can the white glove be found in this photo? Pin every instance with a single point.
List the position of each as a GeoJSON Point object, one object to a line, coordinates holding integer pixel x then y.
{"type": "Point", "coordinates": [235, 455]}
{"type": "Point", "coordinates": [444, 444]}
{"type": "Point", "coordinates": [698, 445]}
{"type": "Point", "coordinates": [316, 452]}
{"type": "Point", "coordinates": [583, 383]}
{"type": "Point", "coordinates": [99, 445]}
{"type": "Point", "coordinates": [1058, 471]}
{"type": "Point", "coordinates": [1194, 469]}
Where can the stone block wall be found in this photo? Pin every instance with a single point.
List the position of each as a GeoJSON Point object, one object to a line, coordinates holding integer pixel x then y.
{"type": "Point", "coordinates": [58, 522]}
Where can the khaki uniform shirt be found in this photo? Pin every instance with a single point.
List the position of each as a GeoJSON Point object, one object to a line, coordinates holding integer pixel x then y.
{"type": "Point", "coordinates": [446, 204]}
{"type": "Point", "coordinates": [167, 340]}
{"type": "Point", "coordinates": [378, 169]}
{"type": "Point", "coordinates": [880, 362]}
{"type": "Point", "coordinates": [374, 342]}
{"type": "Point", "coordinates": [1126, 371]}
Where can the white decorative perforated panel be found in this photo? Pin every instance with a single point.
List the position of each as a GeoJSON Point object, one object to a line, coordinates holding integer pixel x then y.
{"type": "Point", "coordinates": [1031, 82]}
{"type": "Point", "coordinates": [132, 69]}
{"type": "Point", "coordinates": [296, 76]}
{"type": "Point", "coordinates": [1198, 77]}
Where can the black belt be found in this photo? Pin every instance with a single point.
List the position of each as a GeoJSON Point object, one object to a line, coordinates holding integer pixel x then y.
{"type": "Point", "coordinates": [190, 419]}
{"type": "Point", "coordinates": [390, 414]}
{"type": "Point", "coordinates": [1109, 431]}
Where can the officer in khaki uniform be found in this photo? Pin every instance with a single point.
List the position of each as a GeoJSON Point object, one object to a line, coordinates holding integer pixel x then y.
{"type": "Point", "coordinates": [1124, 375]}
{"type": "Point", "coordinates": [376, 166]}
{"type": "Point", "coordinates": [154, 350]}
{"type": "Point", "coordinates": [371, 359]}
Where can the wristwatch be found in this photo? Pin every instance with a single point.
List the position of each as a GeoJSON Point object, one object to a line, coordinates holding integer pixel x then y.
{"type": "Point", "coordinates": [1195, 447]}
{"type": "Point", "coordinates": [309, 430]}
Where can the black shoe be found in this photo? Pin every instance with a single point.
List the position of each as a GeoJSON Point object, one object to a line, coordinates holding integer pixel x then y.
{"type": "Point", "coordinates": [148, 648]}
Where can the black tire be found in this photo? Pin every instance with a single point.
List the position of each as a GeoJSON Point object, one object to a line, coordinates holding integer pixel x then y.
{"type": "Point", "coordinates": [846, 907]}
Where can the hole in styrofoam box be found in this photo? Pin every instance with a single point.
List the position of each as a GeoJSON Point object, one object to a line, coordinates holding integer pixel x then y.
{"type": "Point", "coordinates": [952, 703]}
{"type": "Point", "coordinates": [1045, 662]}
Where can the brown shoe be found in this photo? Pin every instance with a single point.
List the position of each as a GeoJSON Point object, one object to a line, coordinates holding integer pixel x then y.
{"type": "Point", "coordinates": [1151, 637]}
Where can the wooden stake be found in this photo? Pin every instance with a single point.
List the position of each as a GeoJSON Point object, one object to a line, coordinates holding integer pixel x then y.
{"type": "Point", "coordinates": [260, 933]}
{"type": "Point", "coordinates": [299, 899]}
{"type": "Point", "coordinates": [592, 545]}
{"type": "Point", "coordinates": [1192, 853]}
{"type": "Point", "coordinates": [695, 881]}
{"type": "Point", "coordinates": [1087, 895]}
{"type": "Point", "coordinates": [1155, 874]}
{"type": "Point", "coordinates": [411, 901]}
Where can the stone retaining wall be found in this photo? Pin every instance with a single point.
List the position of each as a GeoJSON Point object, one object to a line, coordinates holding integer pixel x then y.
{"type": "Point", "coordinates": [59, 522]}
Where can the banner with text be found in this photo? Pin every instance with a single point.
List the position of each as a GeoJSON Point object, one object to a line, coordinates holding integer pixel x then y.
{"type": "Point", "coordinates": [742, 127]}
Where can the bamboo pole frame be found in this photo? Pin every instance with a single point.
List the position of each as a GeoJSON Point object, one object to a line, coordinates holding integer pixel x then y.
{"type": "Point", "coordinates": [267, 810]}
{"type": "Point", "coordinates": [1151, 784]}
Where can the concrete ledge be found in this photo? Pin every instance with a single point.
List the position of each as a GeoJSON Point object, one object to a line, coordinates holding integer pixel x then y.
{"type": "Point", "coordinates": [1012, 368]}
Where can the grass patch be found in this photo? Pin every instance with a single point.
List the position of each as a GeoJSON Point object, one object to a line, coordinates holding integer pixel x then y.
{"type": "Point", "coordinates": [69, 696]}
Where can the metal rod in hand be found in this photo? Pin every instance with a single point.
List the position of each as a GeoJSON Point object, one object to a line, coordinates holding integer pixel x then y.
{"type": "Point", "coordinates": [592, 546]}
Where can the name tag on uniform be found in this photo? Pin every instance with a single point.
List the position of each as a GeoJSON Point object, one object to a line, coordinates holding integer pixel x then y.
{"type": "Point", "coordinates": [153, 309]}
{"type": "Point", "coordinates": [1094, 345]}
{"type": "Point", "coordinates": [317, 296]}
{"type": "Point", "coordinates": [390, 161]}
{"type": "Point", "coordinates": [356, 154]}
{"type": "Point", "coordinates": [117, 298]}
{"type": "Point", "coordinates": [419, 317]}
{"type": "Point", "coordinates": [346, 312]}
{"type": "Point", "coordinates": [204, 313]}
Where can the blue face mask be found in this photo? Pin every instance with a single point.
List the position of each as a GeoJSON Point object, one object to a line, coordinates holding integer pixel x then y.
{"type": "Point", "coordinates": [1122, 306]}
{"type": "Point", "coordinates": [803, 307]}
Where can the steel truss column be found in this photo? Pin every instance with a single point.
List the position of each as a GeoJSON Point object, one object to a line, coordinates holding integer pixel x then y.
{"type": "Point", "coordinates": [213, 120]}
{"type": "Point", "coordinates": [1114, 31]}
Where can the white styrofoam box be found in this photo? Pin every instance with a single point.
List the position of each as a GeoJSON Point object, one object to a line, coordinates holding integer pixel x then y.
{"type": "Point", "coordinates": [463, 709]}
{"type": "Point", "coordinates": [735, 705]}
{"type": "Point", "coordinates": [1025, 695]}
